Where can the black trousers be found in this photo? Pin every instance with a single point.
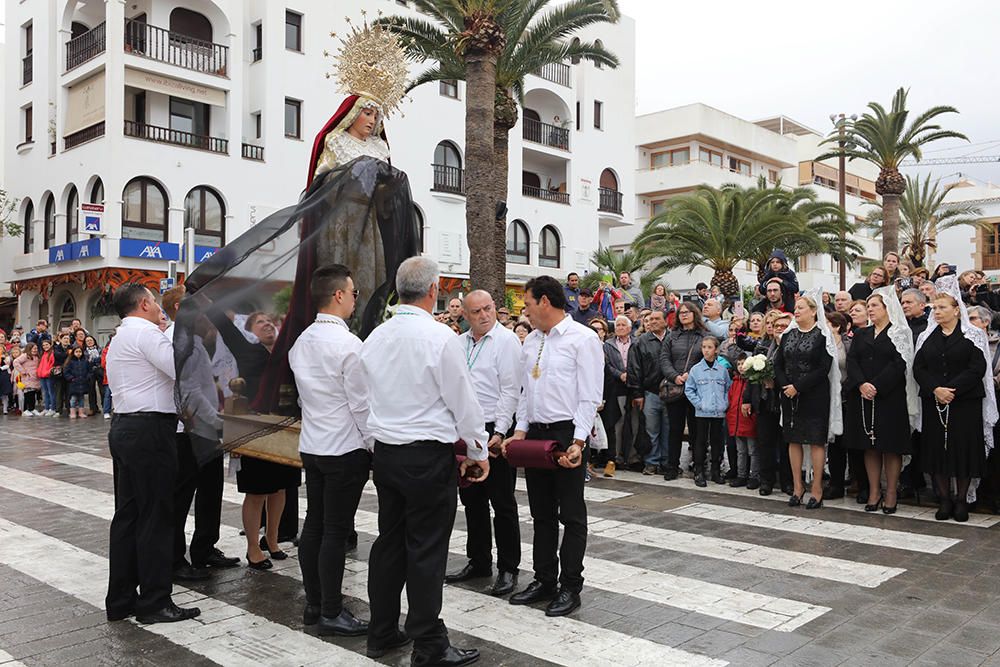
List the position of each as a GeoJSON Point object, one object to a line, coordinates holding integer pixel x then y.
{"type": "Point", "coordinates": [141, 542]}
{"type": "Point", "coordinates": [497, 490]}
{"type": "Point", "coordinates": [711, 438]}
{"type": "Point", "coordinates": [556, 496]}
{"type": "Point", "coordinates": [839, 457]}
{"type": "Point", "coordinates": [333, 491]}
{"type": "Point", "coordinates": [769, 446]}
{"type": "Point", "coordinates": [679, 412]}
{"type": "Point", "coordinates": [207, 482]}
{"type": "Point", "coordinates": [416, 510]}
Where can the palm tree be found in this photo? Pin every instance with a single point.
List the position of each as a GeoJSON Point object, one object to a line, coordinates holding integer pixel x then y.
{"type": "Point", "coordinates": [610, 262]}
{"type": "Point", "coordinates": [924, 213]}
{"type": "Point", "coordinates": [719, 227]}
{"type": "Point", "coordinates": [532, 40]}
{"type": "Point", "coordinates": [884, 139]}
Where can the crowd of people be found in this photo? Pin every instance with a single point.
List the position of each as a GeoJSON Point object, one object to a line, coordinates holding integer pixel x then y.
{"type": "Point", "coordinates": [53, 375]}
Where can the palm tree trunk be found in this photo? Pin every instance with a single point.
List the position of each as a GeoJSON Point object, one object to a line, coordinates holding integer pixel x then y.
{"type": "Point", "coordinates": [890, 223]}
{"type": "Point", "coordinates": [480, 218]}
{"type": "Point", "coordinates": [501, 168]}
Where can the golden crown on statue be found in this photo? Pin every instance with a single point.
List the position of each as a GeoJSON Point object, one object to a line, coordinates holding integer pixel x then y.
{"type": "Point", "coordinates": [371, 63]}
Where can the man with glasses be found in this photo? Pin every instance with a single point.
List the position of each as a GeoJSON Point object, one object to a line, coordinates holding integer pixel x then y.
{"type": "Point", "coordinates": [334, 445]}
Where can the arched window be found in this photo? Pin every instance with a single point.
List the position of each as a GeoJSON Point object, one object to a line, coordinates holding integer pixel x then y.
{"type": "Point", "coordinates": [50, 222]}
{"type": "Point", "coordinates": [575, 44]}
{"type": "Point", "coordinates": [609, 180]}
{"type": "Point", "coordinates": [548, 248]}
{"type": "Point", "coordinates": [191, 23]}
{"type": "Point", "coordinates": [517, 242]}
{"type": "Point", "coordinates": [76, 29]}
{"type": "Point", "coordinates": [144, 214]}
{"type": "Point", "coordinates": [67, 313]}
{"type": "Point", "coordinates": [97, 192]}
{"type": "Point", "coordinates": [599, 45]}
{"type": "Point", "coordinates": [205, 211]}
{"type": "Point", "coordinates": [29, 228]}
{"type": "Point", "coordinates": [448, 175]}
{"type": "Point", "coordinates": [72, 215]}
{"type": "Point", "coordinates": [418, 219]}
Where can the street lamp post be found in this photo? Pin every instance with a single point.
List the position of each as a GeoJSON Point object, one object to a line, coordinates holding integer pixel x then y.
{"type": "Point", "coordinates": [839, 120]}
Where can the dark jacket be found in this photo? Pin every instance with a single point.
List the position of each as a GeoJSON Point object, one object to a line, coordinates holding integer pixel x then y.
{"type": "Point", "coordinates": [674, 352]}
{"type": "Point", "coordinates": [34, 337]}
{"type": "Point", "coordinates": [950, 361]}
{"type": "Point", "coordinates": [764, 305]}
{"type": "Point", "coordinates": [614, 366]}
{"type": "Point", "coordinates": [644, 371]}
{"type": "Point", "coordinates": [60, 353]}
{"type": "Point", "coordinates": [918, 325]}
{"type": "Point", "coordinates": [759, 398]}
{"type": "Point", "coordinates": [789, 281]}
{"type": "Point", "coordinates": [78, 374]}
{"type": "Point", "coordinates": [583, 316]}
{"type": "Point", "coordinates": [860, 290]}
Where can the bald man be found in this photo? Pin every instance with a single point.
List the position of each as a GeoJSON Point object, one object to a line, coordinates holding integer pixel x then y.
{"type": "Point", "coordinates": [492, 353]}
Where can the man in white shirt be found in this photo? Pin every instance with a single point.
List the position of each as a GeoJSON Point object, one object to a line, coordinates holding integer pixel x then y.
{"type": "Point", "coordinates": [140, 366]}
{"type": "Point", "coordinates": [492, 355]}
{"type": "Point", "coordinates": [422, 402]}
{"type": "Point", "coordinates": [562, 366]}
{"type": "Point", "coordinates": [333, 445]}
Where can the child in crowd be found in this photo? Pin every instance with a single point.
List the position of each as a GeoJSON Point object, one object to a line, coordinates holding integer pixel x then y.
{"type": "Point", "coordinates": [26, 367]}
{"type": "Point", "coordinates": [77, 374]}
{"type": "Point", "coordinates": [777, 267]}
{"type": "Point", "coordinates": [6, 379]}
{"type": "Point", "coordinates": [16, 403]}
{"type": "Point", "coordinates": [743, 426]}
{"type": "Point", "coordinates": [707, 389]}
{"type": "Point", "coordinates": [47, 378]}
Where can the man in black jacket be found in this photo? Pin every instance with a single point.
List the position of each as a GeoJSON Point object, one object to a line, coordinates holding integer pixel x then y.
{"type": "Point", "coordinates": [585, 310]}
{"type": "Point", "coordinates": [914, 304]}
{"type": "Point", "coordinates": [644, 378]}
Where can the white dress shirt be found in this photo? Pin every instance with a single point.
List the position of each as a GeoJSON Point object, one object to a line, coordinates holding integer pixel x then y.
{"type": "Point", "coordinates": [140, 367]}
{"type": "Point", "coordinates": [419, 384]}
{"type": "Point", "coordinates": [332, 389]}
{"type": "Point", "coordinates": [571, 382]}
{"type": "Point", "coordinates": [494, 365]}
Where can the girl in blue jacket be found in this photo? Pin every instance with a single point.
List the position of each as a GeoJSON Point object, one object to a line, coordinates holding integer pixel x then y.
{"type": "Point", "coordinates": [707, 388]}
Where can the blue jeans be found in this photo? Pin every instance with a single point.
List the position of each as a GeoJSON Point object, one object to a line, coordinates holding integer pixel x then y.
{"type": "Point", "coordinates": [77, 400]}
{"type": "Point", "coordinates": [48, 393]}
{"type": "Point", "coordinates": [107, 399]}
{"type": "Point", "coordinates": [657, 427]}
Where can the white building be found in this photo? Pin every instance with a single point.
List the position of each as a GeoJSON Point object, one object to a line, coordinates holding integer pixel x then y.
{"type": "Point", "coordinates": [968, 247]}
{"type": "Point", "coordinates": [197, 113]}
{"type": "Point", "coordinates": [681, 148]}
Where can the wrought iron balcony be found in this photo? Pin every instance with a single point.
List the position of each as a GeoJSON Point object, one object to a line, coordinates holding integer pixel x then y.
{"type": "Point", "coordinates": [545, 134]}
{"type": "Point", "coordinates": [251, 152]}
{"type": "Point", "coordinates": [83, 136]}
{"type": "Point", "coordinates": [174, 48]}
{"type": "Point", "coordinates": [85, 47]}
{"type": "Point", "coordinates": [448, 179]}
{"type": "Point", "coordinates": [610, 201]}
{"type": "Point", "coordinates": [547, 195]}
{"type": "Point", "coordinates": [164, 135]}
{"type": "Point", "coordinates": [556, 73]}
{"type": "Point", "coordinates": [27, 71]}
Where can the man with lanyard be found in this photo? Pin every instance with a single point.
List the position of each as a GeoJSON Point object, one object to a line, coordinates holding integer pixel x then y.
{"type": "Point", "coordinates": [141, 375]}
{"type": "Point", "coordinates": [492, 353]}
{"type": "Point", "coordinates": [333, 445]}
{"type": "Point", "coordinates": [422, 402]}
{"type": "Point", "coordinates": [562, 375]}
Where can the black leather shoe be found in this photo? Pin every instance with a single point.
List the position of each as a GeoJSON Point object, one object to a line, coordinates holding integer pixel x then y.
{"type": "Point", "coordinates": [276, 555]}
{"type": "Point", "coordinates": [345, 625]}
{"type": "Point", "coordinates": [265, 564]}
{"type": "Point", "coordinates": [961, 511]}
{"type": "Point", "coordinates": [119, 615]}
{"type": "Point", "coordinates": [505, 583]}
{"type": "Point", "coordinates": [218, 559]}
{"type": "Point", "coordinates": [699, 480]}
{"type": "Point", "coordinates": [765, 489]}
{"type": "Point", "coordinates": [399, 640]}
{"type": "Point", "coordinates": [670, 474]}
{"type": "Point", "coordinates": [945, 509]}
{"type": "Point", "coordinates": [535, 592]}
{"type": "Point", "coordinates": [310, 615]}
{"type": "Point", "coordinates": [814, 504]}
{"type": "Point", "coordinates": [452, 657]}
{"type": "Point", "coordinates": [169, 614]}
{"type": "Point", "coordinates": [189, 573]}
{"type": "Point", "coordinates": [566, 602]}
{"type": "Point", "coordinates": [466, 573]}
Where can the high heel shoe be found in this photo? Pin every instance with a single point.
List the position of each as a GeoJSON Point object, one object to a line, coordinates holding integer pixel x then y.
{"type": "Point", "coordinates": [814, 504]}
{"type": "Point", "coordinates": [794, 501]}
{"type": "Point", "coordinates": [874, 508]}
{"type": "Point", "coordinates": [889, 510]}
{"type": "Point", "coordinates": [265, 564]}
{"type": "Point", "coordinates": [276, 555]}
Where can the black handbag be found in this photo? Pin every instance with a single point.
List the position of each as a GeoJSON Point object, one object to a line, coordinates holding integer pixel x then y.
{"type": "Point", "coordinates": [671, 392]}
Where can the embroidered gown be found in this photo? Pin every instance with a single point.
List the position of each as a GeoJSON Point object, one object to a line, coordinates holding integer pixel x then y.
{"type": "Point", "coordinates": [802, 361]}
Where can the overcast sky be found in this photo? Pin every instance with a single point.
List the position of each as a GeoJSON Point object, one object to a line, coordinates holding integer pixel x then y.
{"type": "Point", "coordinates": [807, 59]}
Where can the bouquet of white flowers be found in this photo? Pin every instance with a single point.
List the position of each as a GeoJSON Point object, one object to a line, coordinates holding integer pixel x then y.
{"type": "Point", "coordinates": [757, 368]}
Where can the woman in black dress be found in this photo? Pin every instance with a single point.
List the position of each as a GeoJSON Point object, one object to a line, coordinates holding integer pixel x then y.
{"type": "Point", "coordinates": [262, 482]}
{"type": "Point", "coordinates": [876, 419]}
{"type": "Point", "coordinates": [949, 369]}
{"type": "Point", "coordinates": [801, 369]}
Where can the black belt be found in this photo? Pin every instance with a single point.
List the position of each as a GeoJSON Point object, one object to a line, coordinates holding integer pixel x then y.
{"type": "Point", "coordinates": [159, 415]}
{"type": "Point", "coordinates": [554, 426]}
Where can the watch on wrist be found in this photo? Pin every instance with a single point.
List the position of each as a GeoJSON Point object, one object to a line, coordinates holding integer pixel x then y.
{"type": "Point", "coordinates": [580, 443]}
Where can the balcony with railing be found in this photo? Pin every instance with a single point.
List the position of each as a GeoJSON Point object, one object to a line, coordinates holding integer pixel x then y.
{"type": "Point", "coordinates": [547, 195]}
{"type": "Point", "coordinates": [164, 135]}
{"type": "Point", "coordinates": [83, 136]}
{"type": "Point", "coordinates": [174, 48]}
{"type": "Point", "coordinates": [27, 70]}
{"type": "Point", "coordinates": [448, 179]}
{"type": "Point", "coordinates": [86, 47]}
{"type": "Point", "coordinates": [556, 73]}
{"type": "Point", "coordinates": [256, 54]}
{"type": "Point", "coordinates": [252, 152]}
{"type": "Point", "coordinates": [609, 201]}
{"type": "Point", "coordinates": [545, 134]}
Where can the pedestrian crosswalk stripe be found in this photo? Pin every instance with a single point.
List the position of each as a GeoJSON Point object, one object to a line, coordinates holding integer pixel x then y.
{"type": "Point", "coordinates": [7, 660]}
{"type": "Point", "coordinates": [593, 494]}
{"type": "Point", "coordinates": [564, 641]}
{"type": "Point", "coordinates": [223, 633]}
{"type": "Point", "coordinates": [920, 513]}
{"type": "Point", "coordinates": [880, 537]}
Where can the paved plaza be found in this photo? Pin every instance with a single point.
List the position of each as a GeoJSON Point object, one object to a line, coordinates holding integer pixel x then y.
{"type": "Point", "coordinates": [674, 576]}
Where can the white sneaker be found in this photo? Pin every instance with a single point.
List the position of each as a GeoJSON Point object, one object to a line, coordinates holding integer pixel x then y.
{"type": "Point", "coordinates": [53, 413]}
{"type": "Point", "coordinates": [107, 416]}
{"type": "Point", "coordinates": [27, 413]}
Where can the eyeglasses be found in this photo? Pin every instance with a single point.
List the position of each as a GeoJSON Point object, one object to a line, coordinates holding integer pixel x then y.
{"type": "Point", "coordinates": [354, 292]}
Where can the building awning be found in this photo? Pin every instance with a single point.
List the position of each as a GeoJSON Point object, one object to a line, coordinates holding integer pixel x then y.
{"type": "Point", "coordinates": [110, 279]}
{"type": "Point", "coordinates": [168, 85]}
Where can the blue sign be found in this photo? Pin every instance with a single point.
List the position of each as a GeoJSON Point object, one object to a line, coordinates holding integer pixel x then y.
{"type": "Point", "coordinates": [201, 253]}
{"type": "Point", "coordinates": [86, 249]}
{"type": "Point", "coordinates": [148, 249]}
{"type": "Point", "coordinates": [60, 253]}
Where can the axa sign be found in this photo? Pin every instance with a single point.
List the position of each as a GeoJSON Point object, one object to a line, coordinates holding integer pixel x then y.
{"type": "Point", "coordinates": [148, 249]}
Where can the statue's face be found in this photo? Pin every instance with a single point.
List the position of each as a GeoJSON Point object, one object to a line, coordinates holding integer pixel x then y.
{"type": "Point", "coordinates": [364, 124]}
